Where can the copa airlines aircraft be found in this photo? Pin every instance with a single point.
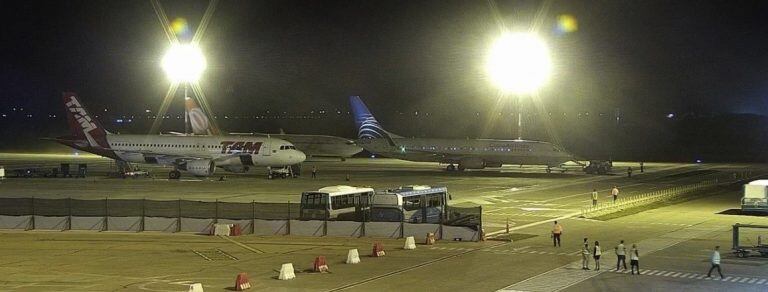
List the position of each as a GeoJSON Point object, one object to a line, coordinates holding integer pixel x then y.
{"type": "Point", "coordinates": [199, 155]}
{"type": "Point", "coordinates": [467, 153]}
{"type": "Point", "coordinates": [312, 145]}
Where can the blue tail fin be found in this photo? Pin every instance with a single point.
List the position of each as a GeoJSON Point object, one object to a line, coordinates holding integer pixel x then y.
{"type": "Point", "coordinates": [367, 126]}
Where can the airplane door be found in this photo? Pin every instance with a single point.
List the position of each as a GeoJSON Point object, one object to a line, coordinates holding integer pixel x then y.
{"type": "Point", "coordinates": [267, 147]}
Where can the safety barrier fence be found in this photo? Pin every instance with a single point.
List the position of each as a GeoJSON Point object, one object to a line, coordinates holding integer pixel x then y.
{"type": "Point", "coordinates": [200, 217]}
{"type": "Point", "coordinates": [624, 203]}
{"type": "Point", "coordinates": [606, 208]}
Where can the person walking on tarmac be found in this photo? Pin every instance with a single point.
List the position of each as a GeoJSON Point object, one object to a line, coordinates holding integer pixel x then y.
{"type": "Point", "coordinates": [634, 260]}
{"type": "Point", "coordinates": [621, 256]}
{"type": "Point", "coordinates": [594, 197]}
{"type": "Point", "coordinates": [314, 171]}
{"type": "Point", "coordinates": [615, 193]}
{"type": "Point", "coordinates": [585, 255]}
{"type": "Point", "coordinates": [557, 230]}
{"type": "Point", "coordinates": [596, 255]}
{"type": "Point", "coordinates": [629, 172]}
{"type": "Point", "coordinates": [715, 260]}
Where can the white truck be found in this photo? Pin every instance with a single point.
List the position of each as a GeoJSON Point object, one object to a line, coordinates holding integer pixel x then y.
{"type": "Point", "coordinates": [755, 196]}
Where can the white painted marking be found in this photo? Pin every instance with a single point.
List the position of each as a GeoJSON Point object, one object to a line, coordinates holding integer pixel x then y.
{"type": "Point", "coordinates": [735, 279]}
{"type": "Point", "coordinates": [753, 280]}
{"type": "Point", "coordinates": [744, 280]}
{"type": "Point", "coordinates": [693, 276]}
{"type": "Point", "coordinates": [761, 281]}
{"type": "Point", "coordinates": [644, 272]}
{"type": "Point", "coordinates": [668, 273]}
{"type": "Point", "coordinates": [685, 275]}
{"type": "Point", "coordinates": [702, 277]}
{"type": "Point", "coordinates": [675, 275]}
{"type": "Point", "coordinates": [726, 278]}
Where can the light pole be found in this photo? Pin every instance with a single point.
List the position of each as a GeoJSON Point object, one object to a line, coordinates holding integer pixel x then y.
{"type": "Point", "coordinates": [184, 63]}
{"type": "Point", "coordinates": [519, 63]}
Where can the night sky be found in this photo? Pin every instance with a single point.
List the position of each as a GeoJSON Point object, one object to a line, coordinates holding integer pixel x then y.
{"type": "Point", "coordinates": [640, 56]}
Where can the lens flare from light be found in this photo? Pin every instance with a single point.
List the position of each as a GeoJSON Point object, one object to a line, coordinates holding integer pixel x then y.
{"type": "Point", "coordinates": [180, 27]}
{"type": "Point", "coordinates": [184, 63]}
{"type": "Point", "coordinates": [567, 23]}
{"type": "Point", "coordinates": [519, 63]}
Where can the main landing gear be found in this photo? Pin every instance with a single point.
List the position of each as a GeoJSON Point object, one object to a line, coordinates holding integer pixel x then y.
{"type": "Point", "coordinates": [174, 174]}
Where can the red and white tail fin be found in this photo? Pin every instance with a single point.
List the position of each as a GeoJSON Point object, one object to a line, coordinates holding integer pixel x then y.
{"type": "Point", "coordinates": [82, 125]}
{"type": "Point", "coordinates": [197, 118]}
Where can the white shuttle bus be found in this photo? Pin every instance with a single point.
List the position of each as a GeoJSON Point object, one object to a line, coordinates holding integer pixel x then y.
{"type": "Point", "coordinates": [413, 204]}
{"type": "Point", "coordinates": [336, 203]}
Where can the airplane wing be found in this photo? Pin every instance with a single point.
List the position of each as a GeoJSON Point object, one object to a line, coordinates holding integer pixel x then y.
{"type": "Point", "coordinates": [180, 159]}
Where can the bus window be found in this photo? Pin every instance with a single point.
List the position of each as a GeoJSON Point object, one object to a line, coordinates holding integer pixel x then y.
{"type": "Point", "coordinates": [342, 202]}
{"type": "Point", "coordinates": [435, 200]}
{"type": "Point", "coordinates": [411, 204]}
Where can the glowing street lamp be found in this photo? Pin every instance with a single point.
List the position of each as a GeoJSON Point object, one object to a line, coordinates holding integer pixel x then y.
{"type": "Point", "coordinates": [184, 63]}
{"type": "Point", "coordinates": [519, 63]}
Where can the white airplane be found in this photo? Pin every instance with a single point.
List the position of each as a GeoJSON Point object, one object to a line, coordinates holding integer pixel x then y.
{"type": "Point", "coordinates": [466, 153]}
{"type": "Point", "coordinates": [313, 146]}
{"type": "Point", "coordinates": [198, 155]}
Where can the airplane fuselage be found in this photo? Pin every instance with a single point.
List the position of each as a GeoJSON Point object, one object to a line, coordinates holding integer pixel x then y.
{"type": "Point", "coordinates": [472, 153]}
{"type": "Point", "coordinates": [226, 150]}
{"type": "Point", "coordinates": [321, 145]}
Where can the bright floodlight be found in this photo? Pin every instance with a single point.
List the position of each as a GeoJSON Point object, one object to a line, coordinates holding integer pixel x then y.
{"type": "Point", "coordinates": [183, 63]}
{"type": "Point", "coordinates": [519, 63]}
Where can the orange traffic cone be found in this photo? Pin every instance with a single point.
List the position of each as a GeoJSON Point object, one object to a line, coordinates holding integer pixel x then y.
{"type": "Point", "coordinates": [320, 265]}
{"type": "Point", "coordinates": [242, 283]}
{"type": "Point", "coordinates": [236, 230]}
{"type": "Point", "coordinates": [378, 250]}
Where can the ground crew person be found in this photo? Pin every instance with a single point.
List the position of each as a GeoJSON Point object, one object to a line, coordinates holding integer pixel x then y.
{"type": "Point", "coordinates": [629, 171]}
{"type": "Point", "coordinates": [634, 260]}
{"type": "Point", "coordinates": [585, 255]}
{"type": "Point", "coordinates": [642, 168]}
{"type": "Point", "coordinates": [557, 230]}
{"type": "Point", "coordinates": [715, 260]}
{"type": "Point", "coordinates": [621, 255]}
{"type": "Point", "coordinates": [596, 255]}
{"type": "Point", "coordinates": [594, 197]}
{"type": "Point", "coordinates": [314, 171]}
{"type": "Point", "coordinates": [615, 193]}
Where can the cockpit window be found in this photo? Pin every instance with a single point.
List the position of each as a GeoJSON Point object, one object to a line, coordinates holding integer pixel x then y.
{"type": "Point", "coordinates": [286, 147]}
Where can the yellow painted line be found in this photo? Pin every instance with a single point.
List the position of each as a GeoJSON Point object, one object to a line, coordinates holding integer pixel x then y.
{"type": "Point", "coordinates": [240, 244]}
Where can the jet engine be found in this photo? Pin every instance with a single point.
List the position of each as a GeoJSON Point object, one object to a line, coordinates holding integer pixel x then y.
{"type": "Point", "coordinates": [236, 168]}
{"type": "Point", "coordinates": [492, 164]}
{"type": "Point", "coordinates": [202, 167]}
{"type": "Point", "coordinates": [471, 163]}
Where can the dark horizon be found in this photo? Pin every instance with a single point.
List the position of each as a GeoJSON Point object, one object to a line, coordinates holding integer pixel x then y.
{"type": "Point", "coordinates": [645, 56]}
{"type": "Point", "coordinates": [644, 60]}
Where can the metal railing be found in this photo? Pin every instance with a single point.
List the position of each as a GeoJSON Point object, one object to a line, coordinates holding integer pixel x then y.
{"type": "Point", "coordinates": [624, 203]}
